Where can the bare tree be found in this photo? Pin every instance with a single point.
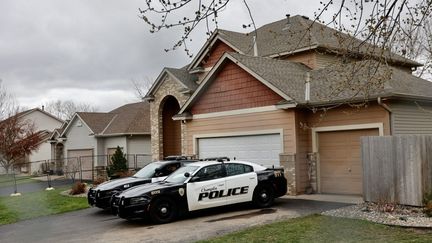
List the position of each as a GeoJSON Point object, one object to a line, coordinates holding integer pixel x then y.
{"type": "Point", "coordinates": [65, 109]}
{"type": "Point", "coordinates": [141, 87]}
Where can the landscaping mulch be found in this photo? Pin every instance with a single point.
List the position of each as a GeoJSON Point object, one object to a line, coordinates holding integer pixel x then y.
{"type": "Point", "coordinates": [389, 214]}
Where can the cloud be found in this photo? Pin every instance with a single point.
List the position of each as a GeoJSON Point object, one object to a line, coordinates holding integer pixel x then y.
{"type": "Point", "coordinates": [91, 50]}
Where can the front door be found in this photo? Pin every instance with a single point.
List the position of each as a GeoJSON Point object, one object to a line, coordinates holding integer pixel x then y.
{"type": "Point", "coordinates": [205, 189]}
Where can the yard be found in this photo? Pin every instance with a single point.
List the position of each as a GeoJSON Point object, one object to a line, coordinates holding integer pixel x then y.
{"type": "Point", "coordinates": [8, 180]}
{"type": "Point", "coordinates": [317, 228]}
{"type": "Point", "coordinates": [36, 204]}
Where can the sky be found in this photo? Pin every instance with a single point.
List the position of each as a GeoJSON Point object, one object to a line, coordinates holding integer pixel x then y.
{"type": "Point", "coordinates": [91, 50]}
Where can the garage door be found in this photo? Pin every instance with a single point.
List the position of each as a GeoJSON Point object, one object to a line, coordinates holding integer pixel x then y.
{"type": "Point", "coordinates": [260, 149]}
{"type": "Point", "coordinates": [86, 156]}
{"type": "Point", "coordinates": [340, 163]}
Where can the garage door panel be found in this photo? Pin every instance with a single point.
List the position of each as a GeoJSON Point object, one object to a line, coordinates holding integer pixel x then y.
{"type": "Point", "coordinates": [340, 161]}
{"type": "Point", "coordinates": [261, 149]}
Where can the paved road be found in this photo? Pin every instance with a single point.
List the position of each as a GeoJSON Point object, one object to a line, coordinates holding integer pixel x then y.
{"type": "Point", "coordinates": [33, 186]}
{"type": "Point", "coordinates": [94, 225]}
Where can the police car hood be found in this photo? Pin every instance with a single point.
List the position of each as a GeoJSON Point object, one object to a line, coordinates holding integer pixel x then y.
{"type": "Point", "coordinates": [147, 188]}
{"type": "Point", "coordinates": [109, 185]}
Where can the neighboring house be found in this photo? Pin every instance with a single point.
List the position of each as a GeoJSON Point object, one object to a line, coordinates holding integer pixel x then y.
{"type": "Point", "coordinates": [257, 101]}
{"type": "Point", "coordinates": [45, 124]}
{"type": "Point", "coordinates": [93, 135]}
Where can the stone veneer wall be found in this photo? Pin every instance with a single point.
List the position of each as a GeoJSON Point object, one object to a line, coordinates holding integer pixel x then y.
{"type": "Point", "coordinates": [168, 87]}
{"type": "Point", "coordinates": [289, 164]}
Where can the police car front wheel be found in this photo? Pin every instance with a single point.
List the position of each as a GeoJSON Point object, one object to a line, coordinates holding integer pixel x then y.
{"type": "Point", "coordinates": [163, 210]}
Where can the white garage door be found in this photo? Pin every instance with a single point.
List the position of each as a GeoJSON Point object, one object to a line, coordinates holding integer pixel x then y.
{"type": "Point", "coordinates": [260, 149]}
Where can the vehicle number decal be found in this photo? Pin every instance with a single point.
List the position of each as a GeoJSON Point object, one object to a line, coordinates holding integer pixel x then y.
{"type": "Point", "coordinates": [221, 193]}
{"type": "Point", "coordinates": [155, 192]}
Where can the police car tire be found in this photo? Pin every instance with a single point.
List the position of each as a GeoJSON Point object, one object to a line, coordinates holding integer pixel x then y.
{"type": "Point", "coordinates": [263, 196]}
{"type": "Point", "coordinates": [163, 210]}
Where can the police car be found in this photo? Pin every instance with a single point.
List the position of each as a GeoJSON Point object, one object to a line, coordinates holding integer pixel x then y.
{"type": "Point", "coordinates": [153, 172]}
{"type": "Point", "coordinates": [201, 185]}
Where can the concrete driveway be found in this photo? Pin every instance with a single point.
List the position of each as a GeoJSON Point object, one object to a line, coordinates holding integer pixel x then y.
{"type": "Point", "coordinates": [94, 225]}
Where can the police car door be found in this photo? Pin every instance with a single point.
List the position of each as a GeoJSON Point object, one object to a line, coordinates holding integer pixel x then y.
{"type": "Point", "coordinates": [241, 181]}
{"type": "Point", "coordinates": [204, 189]}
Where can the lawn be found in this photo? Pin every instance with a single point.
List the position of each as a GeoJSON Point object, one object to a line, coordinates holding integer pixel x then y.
{"type": "Point", "coordinates": [7, 180]}
{"type": "Point", "coordinates": [36, 204]}
{"type": "Point", "coordinates": [317, 228]}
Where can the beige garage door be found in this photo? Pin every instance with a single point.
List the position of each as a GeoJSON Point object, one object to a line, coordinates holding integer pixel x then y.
{"type": "Point", "coordinates": [86, 157]}
{"type": "Point", "coordinates": [340, 164]}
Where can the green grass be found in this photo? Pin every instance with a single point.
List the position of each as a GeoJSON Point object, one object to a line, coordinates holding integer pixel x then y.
{"type": "Point", "coordinates": [7, 180]}
{"type": "Point", "coordinates": [317, 228]}
{"type": "Point", "coordinates": [36, 204]}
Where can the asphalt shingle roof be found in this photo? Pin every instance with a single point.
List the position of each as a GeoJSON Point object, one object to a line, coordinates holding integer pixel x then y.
{"type": "Point", "coordinates": [352, 81]}
{"type": "Point", "coordinates": [299, 33]}
{"type": "Point", "coordinates": [131, 118]}
{"type": "Point", "coordinates": [189, 80]}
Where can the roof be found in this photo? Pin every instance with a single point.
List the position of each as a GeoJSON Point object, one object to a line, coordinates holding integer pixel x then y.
{"type": "Point", "coordinates": [327, 85]}
{"type": "Point", "coordinates": [26, 112]}
{"type": "Point", "coordinates": [300, 34]}
{"type": "Point", "coordinates": [129, 119]}
{"type": "Point", "coordinates": [356, 81]}
{"type": "Point", "coordinates": [181, 75]}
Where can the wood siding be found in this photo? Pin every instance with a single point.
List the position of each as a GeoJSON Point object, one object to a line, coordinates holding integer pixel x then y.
{"type": "Point", "coordinates": [246, 123]}
{"type": "Point", "coordinates": [233, 89]}
{"type": "Point", "coordinates": [410, 117]}
{"type": "Point", "coordinates": [217, 50]}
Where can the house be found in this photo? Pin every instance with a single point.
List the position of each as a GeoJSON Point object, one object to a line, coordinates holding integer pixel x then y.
{"type": "Point", "coordinates": [44, 124]}
{"type": "Point", "coordinates": [278, 100]}
{"type": "Point", "coordinates": [92, 136]}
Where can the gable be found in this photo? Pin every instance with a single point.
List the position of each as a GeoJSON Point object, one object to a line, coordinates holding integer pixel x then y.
{"type": "Point", "coordinates": [42, 121]}
{"type": "Point", "coordinates": [233, 88]}
{"type": "Point", "coordinates": [217, 50]}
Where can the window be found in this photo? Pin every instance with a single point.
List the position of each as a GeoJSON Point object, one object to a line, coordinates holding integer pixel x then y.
{"type": "Point", "coordinates": [237, 169]}
{"type": "Point", "coordinates": [210, 172]}
{"type": "Point", "coordinates": [170, 168]}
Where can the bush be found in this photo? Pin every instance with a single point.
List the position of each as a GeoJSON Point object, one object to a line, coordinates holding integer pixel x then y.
{"type": "Point", "coordinates": [427, 202]}
{"type": "Point", "coordinates": [127, 173]}
{"type": "Point", "coordinates": [118, 164]}
{"type": "Point", "coordinates": [78, 188]}
{"type": "Point", "coordinates": [98, 181]}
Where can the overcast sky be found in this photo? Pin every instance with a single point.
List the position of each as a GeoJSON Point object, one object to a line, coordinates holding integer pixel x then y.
{"type": "Point", "coordinates": [89, 51]}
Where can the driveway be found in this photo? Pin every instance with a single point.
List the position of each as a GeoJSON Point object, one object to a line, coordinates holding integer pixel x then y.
{"type": "Point", "coordinates": [94, 225]}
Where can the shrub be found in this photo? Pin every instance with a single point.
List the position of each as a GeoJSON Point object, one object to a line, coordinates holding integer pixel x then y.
{"type": "Point", "coordinates": [427, 202]}
{"type": "Point", "coordinates": [99, 180]}
{"type": "Point", "coordinates": [78, 188]}
{"type": "Point", "coordinates": [127, 173]}
{"type": "Point", "coordinates": [118, 164]}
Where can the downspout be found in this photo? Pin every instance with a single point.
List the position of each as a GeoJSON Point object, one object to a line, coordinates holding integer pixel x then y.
{"type": "Point", "coordinates": [387, 108]}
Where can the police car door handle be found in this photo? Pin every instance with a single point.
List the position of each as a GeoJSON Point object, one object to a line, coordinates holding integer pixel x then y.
{"type": "Point", "coordinates": [252, 178]}
{"type": "Point", "coordinates": [221, 185]}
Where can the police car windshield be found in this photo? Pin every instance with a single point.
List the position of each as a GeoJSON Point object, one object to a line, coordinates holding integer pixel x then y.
{"type": "Point", "coordinates": [178, 175]}
{"type": "Point", "coordinates": [148, 171]}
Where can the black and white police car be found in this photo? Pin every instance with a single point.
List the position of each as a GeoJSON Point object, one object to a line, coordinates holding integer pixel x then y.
{"type": "Point", "coordinates": [100, 196]}
{"type": "Point", "coordinates": [201, 185]}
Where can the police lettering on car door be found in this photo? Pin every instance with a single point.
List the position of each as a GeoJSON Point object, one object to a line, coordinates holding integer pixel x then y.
{"type": "Point", "coordinates": [212, 193]}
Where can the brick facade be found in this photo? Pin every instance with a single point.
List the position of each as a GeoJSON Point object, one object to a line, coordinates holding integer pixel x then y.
{"type": "Point", "coordinates": [234, 89]}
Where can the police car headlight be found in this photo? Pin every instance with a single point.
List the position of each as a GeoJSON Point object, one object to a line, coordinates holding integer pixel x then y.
{"type": "Point", "coordinates": [139, 200]}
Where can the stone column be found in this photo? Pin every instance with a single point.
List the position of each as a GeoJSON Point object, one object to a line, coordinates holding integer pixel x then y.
{"type": "Point", "coordinates": [288, 162]}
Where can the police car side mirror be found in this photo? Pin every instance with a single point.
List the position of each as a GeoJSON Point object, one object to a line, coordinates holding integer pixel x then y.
{"type": "Point", "coordinates": [195, 179]}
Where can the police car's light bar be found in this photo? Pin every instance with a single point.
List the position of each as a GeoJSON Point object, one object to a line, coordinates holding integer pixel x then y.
{"type": "Point", "coordinates": [219, 159]}
{"type": "Point", "coordinates": [178, 157]}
